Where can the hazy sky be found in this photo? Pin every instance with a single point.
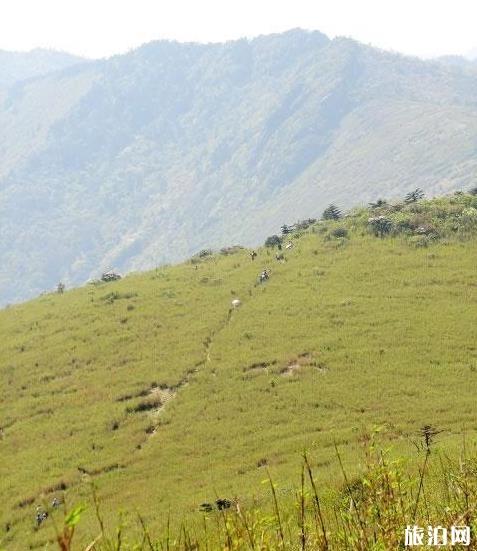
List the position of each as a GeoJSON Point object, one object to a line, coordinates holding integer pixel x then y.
{"type": "Point", "coordinates": [97, 28]}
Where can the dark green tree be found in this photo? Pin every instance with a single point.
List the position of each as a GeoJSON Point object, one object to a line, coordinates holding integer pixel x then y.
{"type": "Point", "coordinates": [414, 196]}
{"type": "Point", "coordinates": [378, 203]}
{"type": "Point", "coordinates": [332, 212]}
{"type": "Point", "coordinates": [273, 241]}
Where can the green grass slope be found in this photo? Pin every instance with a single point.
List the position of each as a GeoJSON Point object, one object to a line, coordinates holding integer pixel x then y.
{"type": "Point", "coordinates": [159, 392]}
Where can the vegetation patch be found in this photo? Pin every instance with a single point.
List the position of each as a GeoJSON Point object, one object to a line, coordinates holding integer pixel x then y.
{"type": "Point", "coordinates": [259, 366]}
{"type": "Point", "coordinates": [113, 296]}
{"type": "Point", "coordinates": [146, 405]}
{"type": "Point", "coordinates": [303, 360]}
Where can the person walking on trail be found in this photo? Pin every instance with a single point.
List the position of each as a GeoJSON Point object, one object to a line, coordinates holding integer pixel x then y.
{"type": "Point", "coordinates": [264, 276]}
{"type": "Point", "coordinates": [40, 516]}
{"type": "Point", "coordinates": [253, 255]}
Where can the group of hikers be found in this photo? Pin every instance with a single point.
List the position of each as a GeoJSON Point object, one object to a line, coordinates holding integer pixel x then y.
{"type": "Point", "coordinates": [41, 515]}
{"type": "Point", "coordinates": [265, 274]}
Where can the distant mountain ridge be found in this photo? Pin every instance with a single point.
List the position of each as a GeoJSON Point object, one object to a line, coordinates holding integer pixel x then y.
{"type": "Point", "coordinates": [147, 157]}
{"type": "Point", "coordinates": [459, 61]}
{"type": "Point", "coordinates": [18, 66]}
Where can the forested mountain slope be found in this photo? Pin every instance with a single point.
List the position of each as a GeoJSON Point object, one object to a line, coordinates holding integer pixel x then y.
{"type": "Point", "coordinates": [147, 157]}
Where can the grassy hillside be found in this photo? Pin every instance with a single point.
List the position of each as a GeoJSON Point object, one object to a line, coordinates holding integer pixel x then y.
{"type": "Point", "coordinates": [165, 397]}
{"type": "Point", "coordinates": [148, 157]}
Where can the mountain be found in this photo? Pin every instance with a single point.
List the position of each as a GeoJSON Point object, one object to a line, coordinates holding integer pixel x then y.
{"type": "Point", "coordinates": [147, 157]}
{"type": "Point", "coordinates": [17, 66]}
{"type": "Point", "coordinates": [458, 61]}
{"type": "Point", "coordinates": [165, 397]}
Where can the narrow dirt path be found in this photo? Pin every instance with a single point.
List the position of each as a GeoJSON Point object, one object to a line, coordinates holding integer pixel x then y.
{"type": "Point", "coordinates": [199, 366]}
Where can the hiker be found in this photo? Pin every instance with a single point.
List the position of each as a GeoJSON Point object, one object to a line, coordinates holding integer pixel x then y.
{"type": "Point", "coordinates": [280, 257]}
{"type": "Point", "coordinates": [253, 255]}
{"type": "Point", "coordinates": [264, 276]}
{"type": "Point", "coordinates": [40, 516]}
{"type": "Point", "coordinates": [55, 503]}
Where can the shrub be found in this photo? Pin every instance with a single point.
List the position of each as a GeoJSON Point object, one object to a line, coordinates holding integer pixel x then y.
{"type": "Point", "coordinates": [470, 213]}
{"type": "Point", "coordinates": [340, 232]}
{"type": "Point", "coordinates": [402, 222]}
{"type": "Point", "coordinates": [304, 224]}
{"type": "Point", "coordinates": [273, 241]}
{"type": "Point", "coordinates": [466, 223]}
{"type": "Point", "coordinates": [380, 225]}
{"type": "Point", "coordinates": [286, 229]}
{"type": "Point", "coordinates": [426, 229]}
{"type": "Point", "coordinates": [378, 204]}
{"type": "Point", "coordinates": [231, 250]}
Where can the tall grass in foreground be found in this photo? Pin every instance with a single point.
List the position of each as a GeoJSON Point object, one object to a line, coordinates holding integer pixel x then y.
{"type": "Point", "coordinates": [369, 512]}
